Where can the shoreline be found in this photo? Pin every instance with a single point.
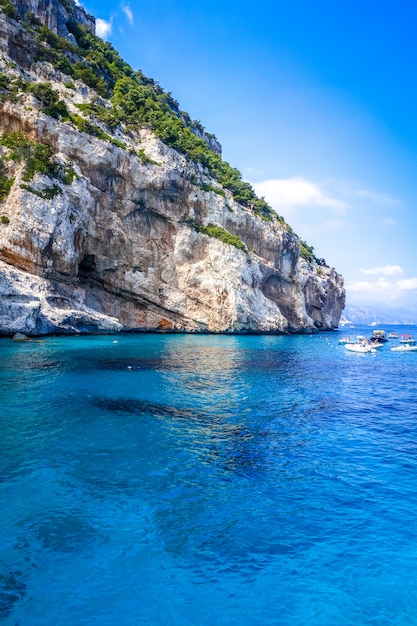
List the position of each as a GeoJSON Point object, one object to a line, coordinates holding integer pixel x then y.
{"type": "Point", "coordinates": [29, 337]}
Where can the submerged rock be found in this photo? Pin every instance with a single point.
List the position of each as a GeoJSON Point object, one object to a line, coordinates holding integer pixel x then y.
{"type": "Point", "coordinates": [12, 589]}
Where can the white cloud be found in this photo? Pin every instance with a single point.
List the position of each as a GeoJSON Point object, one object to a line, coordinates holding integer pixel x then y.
{"type": "Point", "coordinates": [384, 289]}
{"type": "Point", "coordinates": [387, 270]}
{"type": "Point", "coordinates": [128, 12]}
{"type": "Point", "coordinates": [407, 283]}
{"type": "Point", "coordinates": [389, 221]}
{"type": "Point", "coordinates": [366, 286]}
{"type": "Point", "coordinates": [291, 193]}
{"type": "Point", "coordinates": [103, 28]}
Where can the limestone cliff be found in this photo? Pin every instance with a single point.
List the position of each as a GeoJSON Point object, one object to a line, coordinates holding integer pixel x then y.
{"type": "Point", "coordinates": [107, 223]}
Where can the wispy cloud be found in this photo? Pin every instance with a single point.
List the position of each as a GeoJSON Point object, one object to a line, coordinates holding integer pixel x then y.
{"type": "Point", "coordinates": [103, 28]}
{"type": "Point", "coordinates": [407, 284]}
{"type": "Point", "coordinates": [128, 12]}
{"type": "Point", "coordinates": [382, 284]}
{"type": "Point", "coordinates": [378, 197]}
{"type": "Point", "coordinates": [384, 289]}
{"type": "Point", "coordinates": [389, 221]}
{"type": "Point", "coordinates": [387, 270]}
{"type": "Point", "coordinates": [290, 193]}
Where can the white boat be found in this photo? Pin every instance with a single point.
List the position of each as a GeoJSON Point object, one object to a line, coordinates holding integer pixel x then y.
{"type": "Point", "coordinates": [377, 344]}
{"type": "Point", "coordinates": [360, 347]}
{"type": "Point", "coordinates": [393, 336]}
{"type": "Point", "coordinates": [407, 339]}
{"type": "Point", "coordinates": [344, 340]}
{"type": "Point", "coordinates": [407, 344]}
{"type": "Point", "coordinates": [405, 347]}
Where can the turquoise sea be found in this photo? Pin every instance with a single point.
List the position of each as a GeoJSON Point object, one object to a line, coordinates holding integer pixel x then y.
{"type": "Point", "coordinates": [207, 480]}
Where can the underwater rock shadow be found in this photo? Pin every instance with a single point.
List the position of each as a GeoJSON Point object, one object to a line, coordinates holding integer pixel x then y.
{"type": "Point", "coordinates": [12, 589]}
{"type": "Point", "coordinates": [235, 449]}
{"type": "Point", "coordinates": [136, 363]}
{"type": "Point", "coordinates": [230, 446]}
{"type": "Point", "coordinates": [217, 422]}
{"type": "Point", "coordinates": [136, 406]}
{"type": "Point", "coordinates": [59, 532]}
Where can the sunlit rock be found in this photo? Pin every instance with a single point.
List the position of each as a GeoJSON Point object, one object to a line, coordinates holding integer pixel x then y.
{"type": "Point", "coordinates": [117, 246]}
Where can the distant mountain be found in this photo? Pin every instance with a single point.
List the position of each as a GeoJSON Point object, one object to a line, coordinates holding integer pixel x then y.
{"type": "Point", "coordinates": [362, 315]}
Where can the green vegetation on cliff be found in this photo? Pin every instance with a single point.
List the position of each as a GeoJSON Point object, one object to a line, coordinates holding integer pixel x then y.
{"type": "Point", "coordinates": [11, 88]}
{"type": "Point", "coordinates": [139, 101]}
{"type": "Point", "coordinates": [37, 157]}
{"type": "Point", "coordinates": [9, 9]}
{"type": "Point", "coordinates": [307, 253]}
{"type": "Point", "coordinates": [47, 193]}
{"type": "Point", "coordinates": [49, 99]}
{"type": "Point", "coordinates": [6, 181]}
{"type": "Point", "coordinates": [223, 235]}
{"type": "Point", "coordinates": [217, 232]}
{"type": "Point", "coordinates": [128, 99]}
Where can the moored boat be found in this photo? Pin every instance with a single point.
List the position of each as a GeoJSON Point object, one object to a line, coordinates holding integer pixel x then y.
{"type": "Point", "coordinates": [360, 345]}
{"type": "Point", "coordinates": [407, 339]}
{"type": "Point", "coordinates": [376, 344]}
{"type": "Point", "coordinates": [405, 347]}
{"type": "Point", "coordinates": [344, 340]}
{"type": "Point", "coordinates": [393, 336]}
{"type": "Point", "coordinates": [379, 335]}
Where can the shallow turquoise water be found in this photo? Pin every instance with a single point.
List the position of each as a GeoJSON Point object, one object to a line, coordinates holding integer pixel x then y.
{"type": "Point", "coordinates": [200, 480]}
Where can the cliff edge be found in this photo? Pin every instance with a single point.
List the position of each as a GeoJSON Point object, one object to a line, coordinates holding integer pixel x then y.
{"type": "Point", "coordinates": [116, 209]}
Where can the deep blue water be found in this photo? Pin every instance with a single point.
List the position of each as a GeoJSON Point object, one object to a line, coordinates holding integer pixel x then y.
{"type": "Point", "coordinates": [207, 480]}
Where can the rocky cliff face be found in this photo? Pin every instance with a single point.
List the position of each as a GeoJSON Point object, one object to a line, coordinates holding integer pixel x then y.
{"type": "Point", "coordinates": [113, 229]}
{"type": "Point", "coordinates": [56, 15]}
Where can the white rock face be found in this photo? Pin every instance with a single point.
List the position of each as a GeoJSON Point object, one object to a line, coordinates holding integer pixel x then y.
{"type": "Point", "coordinates": [32, 305]}
{"type": "Point", "coordinates": [117, 249]}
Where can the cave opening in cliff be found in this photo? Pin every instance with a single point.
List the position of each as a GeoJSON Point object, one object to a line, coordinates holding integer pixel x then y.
{"type": "Point", "coordinates": [87, 265]}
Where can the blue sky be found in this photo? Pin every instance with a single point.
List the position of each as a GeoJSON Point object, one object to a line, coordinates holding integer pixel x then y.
{"type": "Point", "coordinates": [315, 103]}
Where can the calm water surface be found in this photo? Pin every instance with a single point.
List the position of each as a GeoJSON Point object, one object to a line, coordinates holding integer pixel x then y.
{"type": "Point", "coordinates": [200, 480]}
